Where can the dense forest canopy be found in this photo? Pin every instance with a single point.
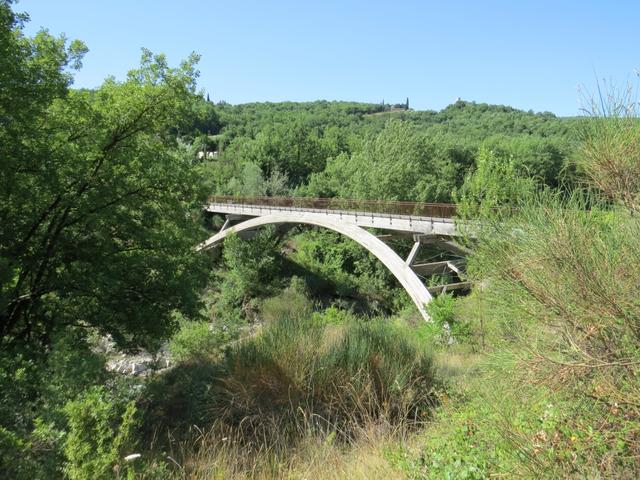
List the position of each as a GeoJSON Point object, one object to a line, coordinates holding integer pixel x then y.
{"type": "Point", "coordinates": [311, 148]}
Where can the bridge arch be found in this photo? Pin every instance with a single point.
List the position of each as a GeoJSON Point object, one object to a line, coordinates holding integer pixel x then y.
{"type": "Point", "coordinates": [396, 265]}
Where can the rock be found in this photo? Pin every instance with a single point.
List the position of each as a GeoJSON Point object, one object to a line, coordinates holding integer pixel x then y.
{"type": "Point", "coordinates": [138, 364]}
{"type": "Point", "coordinates": [138, 368]}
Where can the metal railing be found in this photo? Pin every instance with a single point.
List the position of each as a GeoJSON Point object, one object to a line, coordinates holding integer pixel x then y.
{"type": "Point", "coordinates": [385, 207]}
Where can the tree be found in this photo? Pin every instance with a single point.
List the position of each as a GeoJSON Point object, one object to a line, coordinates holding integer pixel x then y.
{"type": "Point", "coordinates": [251, 182]}
{"type": "Point", "coordinates": [96, 204]}
{"type": "Point", "coordinates": [202, 119]}
{"type": "Point", "coordinates": [399, 163]}
{"type": "Point", "coordinates": [292, 149]}
{"type": "Point", "coordinates": [251, 265]}
{"type": "Point", "coordinates": [494, 183]}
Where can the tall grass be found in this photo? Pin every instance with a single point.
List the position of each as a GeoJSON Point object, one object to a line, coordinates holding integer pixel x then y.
{"type": "Point", "coordinates": [609, 157]}
{"type": "Point", "coordinates": [561, 281]}
{"type": "Point", "coordinates": [209, 455]}
{"type": "Point", "coordinates": [299, 375]}
{"type": "Point", "coordinates": [297, 399]}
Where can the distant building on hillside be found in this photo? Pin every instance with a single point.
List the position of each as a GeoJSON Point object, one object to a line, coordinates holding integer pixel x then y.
{"type": "Point", "coordinates": [396, 107]}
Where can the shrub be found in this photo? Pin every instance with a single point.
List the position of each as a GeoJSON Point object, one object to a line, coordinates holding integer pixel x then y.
{"type": "Point", "coordinates": [354, 273]}
{"type": "Point", "coordinates": [177, 399]}
{"type": "Point", "coordinates": [100, 434]}
{"type": "Point", "coordinates": [446, 327]}
{"type": "Point", "coordinates": [14, 456]}
{"type": "Point", "coordinates": [493, 185]}
{"type": "Point", "coordinates": [332, 316]}
{"type": "Point", "coordinates": [251, 265]}
{"type": "Point", "coordinates": [610, 159]}
{"type": "Point", "coordinates": [493, 428]}
{"type": "Point", "coordinates": [299, 374]}
{"type": "Point", "coordinates": [196, 339]}
{"type": "Point", "coordinates": [292, 301]}
{"type": "Point", "coordinates": [34, 387]}
{"type": "Point", "coordinates": [560, 283]}
{"type": "Point", "coordinates": [609, 156]}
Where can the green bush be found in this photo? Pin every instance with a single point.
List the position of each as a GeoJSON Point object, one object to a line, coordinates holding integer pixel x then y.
{"type": "Point", "coordinates": [100, 434]}
{"type": "Point", "coordinates": [493, 187]}
{"type": "Point", "coordinates": [251, 266]}
{"type": "Point", "coordinates": [609, 156]}
{"type": "Point", "coordinates": [15, 461]}
{"type": "Point", "coordinates": [196, 339]}
{"type": "Point", "coordinates": [299, 374]}
{"type": "Point", "coordinates": [34, 388]}
{"type": "Point", "coordinates": [332, 316]}
{"type": "Point", "coordinates": [354, 274]}
{"type": "Point", "coordinates": [559, 294]}
{"type": "Point", "coordinates": [292, 301]}
{"type": "Point", "coordinates": [446, 327]}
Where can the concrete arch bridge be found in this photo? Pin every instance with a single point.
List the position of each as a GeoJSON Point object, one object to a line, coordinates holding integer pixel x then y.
{"type": "Point", "coordinates": [425, 223]}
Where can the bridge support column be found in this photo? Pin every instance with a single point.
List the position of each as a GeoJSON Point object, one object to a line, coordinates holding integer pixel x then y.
{"type": "Point", "coordinates": [226, 224]}
{"type": "Point", "coordinates": [413, 253]}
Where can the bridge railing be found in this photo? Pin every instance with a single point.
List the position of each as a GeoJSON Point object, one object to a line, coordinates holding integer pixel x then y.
{"type": "Point", "coordinates": [414, 209]}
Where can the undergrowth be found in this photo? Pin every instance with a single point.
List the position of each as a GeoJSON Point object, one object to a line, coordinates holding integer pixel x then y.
{"type": "Point", "coordinates": [558, 394]}
{"type": "Point", "coordinates": [323, 379]}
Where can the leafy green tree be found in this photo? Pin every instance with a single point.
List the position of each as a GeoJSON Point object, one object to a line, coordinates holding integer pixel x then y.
{"type": "Point", "coordinates": [35, 385]}
{"type": "Point", "coordinates": [345, 149]}
{"type": "Point", "coordinates": [385, 168]}
{"type": "Point", "coordinates": [398, 163]}
{"type": "Point", "coordinates": [100, 435]}
{"type": "Point", "coordinates": [250, 183]}
{"type": "Point", "coordinates": [251, 265]}
{"type": "Point", "coordinates": [542, 158]}
{"type": "Point", "coordinates": [293, 149]}
{"type": "Point", "coordinates": [203, 118]}
{"type": "Point", "coordinates": [495, 183]}
{"type": "Point", "coordinates": [95, 201]}
{"type": "Point", "coordinates": [334, 181]}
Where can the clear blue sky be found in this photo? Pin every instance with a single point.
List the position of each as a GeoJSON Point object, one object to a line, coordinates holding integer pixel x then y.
{"type": "Point", "coordinates": [528, 54]}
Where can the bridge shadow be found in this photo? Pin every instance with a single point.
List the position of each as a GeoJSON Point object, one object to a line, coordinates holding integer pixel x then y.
{"type": "Point", "coordinates": [324, 292]}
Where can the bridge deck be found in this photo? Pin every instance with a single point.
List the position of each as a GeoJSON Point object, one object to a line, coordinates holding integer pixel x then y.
{"type": "Point", "coordinates": [389, 207]}
{"type": "Point", "coordinates": [421, 218]}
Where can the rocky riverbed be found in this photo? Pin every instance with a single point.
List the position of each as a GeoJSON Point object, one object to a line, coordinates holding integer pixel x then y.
{"type": "Point", "coordinates": [137, 364]}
